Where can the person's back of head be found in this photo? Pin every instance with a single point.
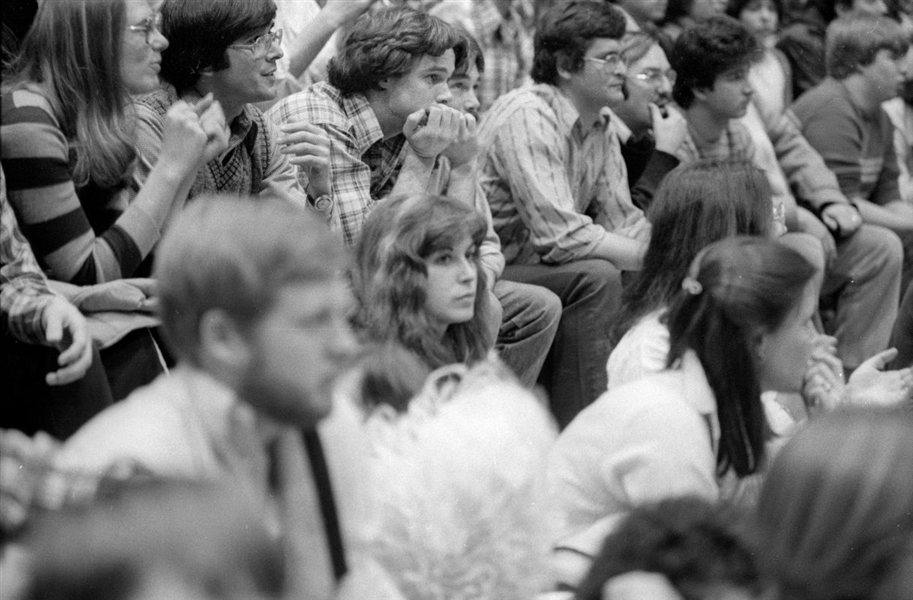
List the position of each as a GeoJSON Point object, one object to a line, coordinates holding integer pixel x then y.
{"type": "Point", "coordinates": [465, 461]}
{"type": "Point", "coordinates": [736, 290]}
{"type": "Point", "coordinates": [237, 255]}
{"type": "Point", "coordinates": [695, 205]}
{"type": "Point", "coordinates": [855, 39]}
{"type": "Point", "coordinates": [199, 34]}
{"type": "Point", "coordinates": [704, 52]}
{"type": "Point", "coordinates": [698, 546]}
{"type": "Point", "coordinates": [835, 515]}
{"type": "Point", "coordinates": [387, 43]}
{"type": "Point", "coordinates": [390, 275]}
{"type": "Point", "coordinates": [564, 33]}
{"type": "Point", "coordinates": [155, 539]}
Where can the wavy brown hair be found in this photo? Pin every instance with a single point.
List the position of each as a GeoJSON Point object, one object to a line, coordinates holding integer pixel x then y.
{"type": "Point", "coordinates": [73, 53]}
{"type": "Point", "coordinates": [389, 276]}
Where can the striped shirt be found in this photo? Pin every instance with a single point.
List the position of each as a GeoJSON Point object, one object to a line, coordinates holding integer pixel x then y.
{"type": "Point", "coordinates": [506, 42]}
{"type": "Point", "coordinates": [83, 235]}
{"type": "Point", "coordinates": [24, 291]}
{"type": "Point", "coordinates": [556, 187]}
{"type": "Point", "coordinates": [855, 143]}
{"type": "Point", "coordinates": [363, 165]}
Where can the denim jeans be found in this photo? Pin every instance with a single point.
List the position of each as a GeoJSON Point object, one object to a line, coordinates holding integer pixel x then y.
{"type": "Point", "coordinates": [866, 280]}
{"type": "Point", "coordinates": [590, 291]}
{"type": "Point", "coordinates": [902, 337]}
{"type": "Point", "coordinates": [529, 321]}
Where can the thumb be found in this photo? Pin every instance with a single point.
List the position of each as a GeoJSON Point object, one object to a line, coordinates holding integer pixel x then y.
{"type": "Point", "coordinates": [881, 360]}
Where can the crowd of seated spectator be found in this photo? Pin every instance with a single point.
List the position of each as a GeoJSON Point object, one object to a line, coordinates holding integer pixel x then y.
{"type": "Point", "coordinates": [444, 299]}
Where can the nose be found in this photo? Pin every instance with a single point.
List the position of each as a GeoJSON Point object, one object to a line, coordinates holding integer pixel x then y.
{"type": "Point", "coordinates": [468, 271]}
{"type": "Point", "coordinates": [157, 40]}
{"type": "Point", "coordinates": [344, 345]}
{"type": "Point", "coordinates": [444, 95]}
{"type": "Point", "coordinates": [472, 102]}
{"type": "Point", "coordinates": [275, 51]}
{"type": "Point", "coordinates": [665, 87]}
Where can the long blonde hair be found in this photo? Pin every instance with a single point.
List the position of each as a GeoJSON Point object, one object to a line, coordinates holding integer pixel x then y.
{"type": "Point", "coordinates": [73, 54]}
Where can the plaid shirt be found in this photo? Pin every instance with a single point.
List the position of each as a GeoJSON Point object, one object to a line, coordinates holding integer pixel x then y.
{"type": "Point", "coordinates": [507, 43]}
{"type": "Point", "coordinates": [556, 188]}
{"type": "Point", "coordinates": [251, 165]}
{"type": "Point", "coordinates": [24, 290]}
{"type": "Point", "coordinates": [363, 165]}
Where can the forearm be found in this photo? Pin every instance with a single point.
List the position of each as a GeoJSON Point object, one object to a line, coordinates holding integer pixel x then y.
{"type": "Point", "coordinates": [896, 216]}
{"type": "Point", "coordinates": [414, 174]}
{"type": "Point", "coordinates": [625, 253]}
{"type": "Point", "coordinates": [305, 47]}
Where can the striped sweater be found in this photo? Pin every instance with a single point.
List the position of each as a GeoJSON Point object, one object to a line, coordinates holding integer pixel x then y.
{"type": "Point", "coordinates": [82, 235]}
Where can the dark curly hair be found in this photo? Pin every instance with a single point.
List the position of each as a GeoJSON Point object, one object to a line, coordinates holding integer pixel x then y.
{"type": "Point", "coordinates": [564, 33]}
{"type": "Point", "coordinates": [386, 44]}
{"type": "Point", "coordinates": [704, 52]}
{"type": "Point", "coordinates": [200, 32]}
{"type": "Point", "coordinates": [694, 543]}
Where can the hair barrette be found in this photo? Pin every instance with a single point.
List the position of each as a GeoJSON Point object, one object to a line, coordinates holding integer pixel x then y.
{"type": "Point", "coordinates": [692, 286]}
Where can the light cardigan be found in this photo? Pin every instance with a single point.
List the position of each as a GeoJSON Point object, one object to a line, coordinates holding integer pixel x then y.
{"type": "Point", "coordinates": [641, 442]}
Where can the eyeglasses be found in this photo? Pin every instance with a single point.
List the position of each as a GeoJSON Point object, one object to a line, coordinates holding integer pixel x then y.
{"type": "Point", "coordinates": [261, 46]}
{"type": "Point", "coordinates": [610, 63]}
{"type": "Point", "coordinates": [148, 25]}
{"type": "Point", "coordinates": [655, 76]}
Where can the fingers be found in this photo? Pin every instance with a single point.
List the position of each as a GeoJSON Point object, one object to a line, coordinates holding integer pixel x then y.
{"type": "Point", "coordinates": [881, 360]}
{"type": "Point", "coordinates": [53, 326]}
{"type": "Point", "coordinates": [75, 369]}
{"type": "Point", "coordinates": [79, 341]}
{"type": "Point", "coordinates": [204, 104]}
{"type": "Point", "coordinates": [414, 121]}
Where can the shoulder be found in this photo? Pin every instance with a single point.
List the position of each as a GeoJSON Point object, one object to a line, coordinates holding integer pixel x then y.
{"type": "Point", "coordinates": [155, 103]}
{"type": "Point", "coordinates": [143, 429]}
{"type": "Point", "coordinates": [521, 108]}
{"type": "Point", "coordinates": [821, 100]}
{"type": "Point", "coordinates": [321, 104]}
{"type": "Point", "coordinates": [650, 407]}
{"type": "Point", "coordinates": [27, 106]}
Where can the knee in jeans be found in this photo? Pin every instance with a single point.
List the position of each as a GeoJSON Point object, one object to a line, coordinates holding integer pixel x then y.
{"type": "Point", "coordinates": [600, 275]}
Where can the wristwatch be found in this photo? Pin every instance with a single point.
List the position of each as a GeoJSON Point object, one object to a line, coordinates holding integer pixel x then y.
{"type": "Point", "coordinates": [322, 203]}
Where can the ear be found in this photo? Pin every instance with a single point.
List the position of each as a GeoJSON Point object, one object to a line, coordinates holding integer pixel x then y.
{"type": "Point", "coordinates": [384, 84]}
{"type": "Point", "coordinates": [563, 66]}
{"type": "Point", "coordinates": [701, 93]}
{"type": "Point", "coordinates": [222, 343]}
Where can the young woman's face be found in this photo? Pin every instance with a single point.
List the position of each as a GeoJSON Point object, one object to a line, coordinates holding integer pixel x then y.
{"type": "Point", "coordinates": [451, 288]}
{"type": "Point", "coordinates": [141, 47]}
{"type": "Point", "coordinates": [782, 354]}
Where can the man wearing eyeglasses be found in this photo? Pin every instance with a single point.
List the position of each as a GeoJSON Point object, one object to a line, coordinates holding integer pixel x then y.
{"type": "Point", "coordinates": [228, 48]}
{"type": "Point", "coordinates": [552, 170]}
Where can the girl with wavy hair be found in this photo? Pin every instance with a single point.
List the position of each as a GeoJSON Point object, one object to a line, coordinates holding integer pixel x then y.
{"type": "Point", "coordinates": [67, 139]}
{"type": "Point", "coordinates": [741, 322]}
{"type": "Point", "coordinates": [417, 280]}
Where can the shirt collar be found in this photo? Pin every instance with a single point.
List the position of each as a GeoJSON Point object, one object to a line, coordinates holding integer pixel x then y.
{"type": "Point", "coordinates": [243, 129]}
{"type": "Point", "coordinates": [364, 122]}
{"type": "Point", "coordinates": [567, 114]}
